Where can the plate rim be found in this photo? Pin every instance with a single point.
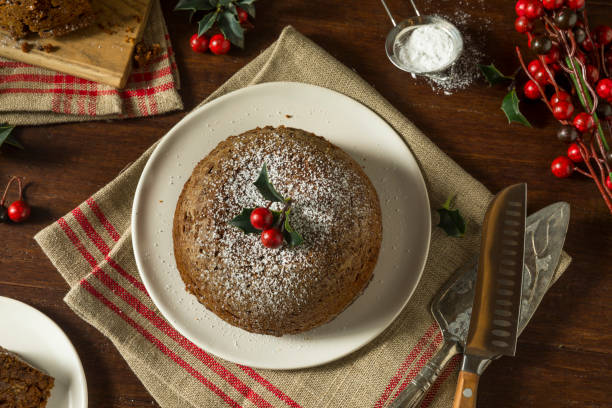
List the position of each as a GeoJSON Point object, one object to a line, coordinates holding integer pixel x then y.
{"type": "Point", "coordinates": [81, 372]}
{"type": "Point", "coordinates": [137, 251]}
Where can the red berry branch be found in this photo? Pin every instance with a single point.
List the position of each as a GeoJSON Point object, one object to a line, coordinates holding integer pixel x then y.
{"type": "Point", "coordinates": [572, 63]}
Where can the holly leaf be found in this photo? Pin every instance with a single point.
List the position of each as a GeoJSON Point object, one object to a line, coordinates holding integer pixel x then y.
{"type": "Point", "coordinates": [207, 22]}
{"type": "Point", "coordinates": [493, 75]}
{"type": "Point", "coordinates": [510, 106]}
{"type": "Point", "coordinates": [245, 2]}
{"type": "Point", "coordinates": [450, 220]}
{"type": "Point", "coordinates": [292, 237]}
{"type": "Point", "coordinates": [231, 28]}
{"type": "Point", "coordinates": [7, 138]}
{"type": "Point", "coordinates": [194, 5]}
{"type": "Point", "coordinates": [266, 189]}
{"type": "Point", "coordinates": [243, 221]}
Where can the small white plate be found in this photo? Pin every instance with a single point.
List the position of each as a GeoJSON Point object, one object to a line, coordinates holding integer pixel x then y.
{"type": "Point", "coordinates": [343, 121]}
{"type": "Point", "coordinates": [39, 341]}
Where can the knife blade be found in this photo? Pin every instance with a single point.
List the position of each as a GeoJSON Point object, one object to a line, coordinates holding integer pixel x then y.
{"type": "Point", "coordinates": [452, 306]}
{"type": "Point", "coordinates": [497, 295]}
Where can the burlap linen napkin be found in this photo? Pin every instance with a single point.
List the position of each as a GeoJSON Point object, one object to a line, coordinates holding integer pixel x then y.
{"type": "Point", "coordinates": [91, 248]}
{"type": "Point", "coordinates": [32, 95]}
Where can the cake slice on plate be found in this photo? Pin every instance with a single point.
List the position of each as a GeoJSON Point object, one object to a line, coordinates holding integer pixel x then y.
{"type": "Point", "coordinates": [21, 385]}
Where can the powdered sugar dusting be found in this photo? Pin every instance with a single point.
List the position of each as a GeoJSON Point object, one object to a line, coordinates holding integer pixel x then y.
{"type": "Point", "coordinates": [474, 29]}
{"type": "Point", "coordinates": [330, 203]}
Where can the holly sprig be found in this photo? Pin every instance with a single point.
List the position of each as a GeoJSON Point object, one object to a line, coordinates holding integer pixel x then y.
{"type": "Point", "coordinates": [282, 220]}
{"type": "Point", "coordinates": [222, 13]}
{"type": "Point", "coordinates": [451, 220]}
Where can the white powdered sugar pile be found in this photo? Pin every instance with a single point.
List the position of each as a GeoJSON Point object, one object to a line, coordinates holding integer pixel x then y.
{"type": "Point", "coordinates": [428, 48]}
{"type": "Point", "coordinates": [464, 72]}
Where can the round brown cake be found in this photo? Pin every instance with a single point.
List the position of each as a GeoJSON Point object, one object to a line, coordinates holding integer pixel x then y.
{"type": "Point", "coordinates": [287, 290]}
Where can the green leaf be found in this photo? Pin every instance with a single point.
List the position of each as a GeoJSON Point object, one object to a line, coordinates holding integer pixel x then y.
{"type": "Point", "coordinates": [194, 5]}
{"type": "Point", "coordinates": [245, 2]}
{"type": "Point", "coordinates": [243, 221]}
{"type": "Point", "coordinates": [450, 220]}
{"type": "Point", "coordinates": [510, 106]}
{"type": "Point", "coordinates": [231, 28]}
{"type": "Point", "coordinates": [292, 237]}
{"type": "Point", "coordinates": [207, 22]}
{"type": "Point", "coordinates": [7, 138]}
{"type": "Point", "coordinates": [266, 189]}
{"type": "Point", "coordinates": [493, 75]}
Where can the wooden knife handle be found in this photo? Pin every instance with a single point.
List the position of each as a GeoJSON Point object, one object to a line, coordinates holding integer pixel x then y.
{"type": "Point", "coordinates": [465, 394]}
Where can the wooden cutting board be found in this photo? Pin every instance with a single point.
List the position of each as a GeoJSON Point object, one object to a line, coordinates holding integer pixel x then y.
{"type": "Point", "coordinates": [101, 52]}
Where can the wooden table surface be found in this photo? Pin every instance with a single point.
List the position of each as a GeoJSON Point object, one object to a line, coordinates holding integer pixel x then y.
{"type": "Point", "coordinates": [564, 357]}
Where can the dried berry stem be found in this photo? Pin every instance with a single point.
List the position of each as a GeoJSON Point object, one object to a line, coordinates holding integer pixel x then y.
{"type": "Point", "coordinates": [6, 189]}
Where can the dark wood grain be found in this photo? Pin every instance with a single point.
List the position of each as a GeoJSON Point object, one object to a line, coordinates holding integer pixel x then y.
{"type": "Point", "coordinates": [564, 357]}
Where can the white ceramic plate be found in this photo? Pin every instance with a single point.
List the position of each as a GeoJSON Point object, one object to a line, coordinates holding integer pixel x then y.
{"type": "Point", "coordinates": [346, 123]}
{"type": "Point", "coordinates": [39, 341]}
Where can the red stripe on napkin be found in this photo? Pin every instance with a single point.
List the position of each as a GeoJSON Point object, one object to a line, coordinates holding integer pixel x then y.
{"type": "Point", "coordinates": [420, 364]}
{"type": "Point", "coordinates": [147, 335]}
{"type": "Point", "coordinates": [103, 220]}
{"type": "Point", "coordinates": [414, 353]}
{"type": "Point", "coordinates": [281, 395]}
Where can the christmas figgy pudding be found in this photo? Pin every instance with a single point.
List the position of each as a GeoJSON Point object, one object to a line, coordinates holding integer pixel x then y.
{"type": "Point", "coordinates": [277, 231]}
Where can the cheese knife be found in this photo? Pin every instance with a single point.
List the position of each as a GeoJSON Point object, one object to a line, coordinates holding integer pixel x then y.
{"type": "Point", "coordinates": [452, 305]}
{"type": "Point", "coordinates": [497, 296]}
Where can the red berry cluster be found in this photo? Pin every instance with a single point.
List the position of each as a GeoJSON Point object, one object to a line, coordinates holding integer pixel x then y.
{"type": "Point", "coordinates": [558, 33]}
{"type": "Point", "coordinates": [19, 210]}
{"type": "Point", "coordinates": [217, 44]}
{"type": "Point", "coordinates": [263, 219]}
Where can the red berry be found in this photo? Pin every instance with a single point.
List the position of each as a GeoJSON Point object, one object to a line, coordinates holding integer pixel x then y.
{"type": "Point", "coordinates": [552, 55]}
{"type": "Point", "coordinates": [552, 4]}
{"type": "Point", "coordinates": [531, 90]}
{"type": "Point", "coordinates": [584, 122]}
{"type": "Point", "coordinates": [575, 4]}
{"type": "Point", "coordinates": [562, 167]}
{"type": "Point", "coordinates": [587, 44]}
{"type": "Point", "coordinates": [534, 66]}
{"type": "Point", "coordinates": [555, 68]}
{"type": "Point", "coordinates": [560, 96]}
{"type": "Point", "coordinates": [199, 43]}
{"type": "Point", "coordinates": [592, 73]}
{"type": "Point", "coordinates": [533, 9]}
{"type": "Point", "coordinates": [520, 7]}
{"type": "Point", "coordinates": [603, 35]}
{"type": "Point", "coordinates": [272, 238]}
{"type": "Point", "coordinates": [609, 183]}
{"type": "Point", "coordinates": [242, 15]}
{"type": "Point", "coordinates": [523, 24]}
{"type": "Point", "coordinates": [19, 211]}
{"type": "Point", "coordinates": [604, 88]}
{"type": "Point", "coordinates": [219, 44]}
{"type": "Point", "coordinates": [541, 77]}
{"type": "Point", "coordinates": [573, 152]}
{"type": "Point", "coordinates": [261, 218]}
{"type": "Point", "coordinates": [563, 110]}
